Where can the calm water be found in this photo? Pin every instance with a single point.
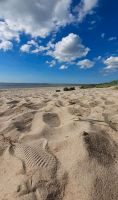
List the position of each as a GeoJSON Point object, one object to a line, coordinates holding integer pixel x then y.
{"type": "Point", "coordinates": [28, 85]}
{"type": "Point", "coordinates": [22, 85]}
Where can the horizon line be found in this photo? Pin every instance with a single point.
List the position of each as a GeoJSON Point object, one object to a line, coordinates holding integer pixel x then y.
{"type": "Point", "coordinates": [56, 83]}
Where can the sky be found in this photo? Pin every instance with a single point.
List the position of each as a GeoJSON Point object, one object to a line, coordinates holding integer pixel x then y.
{"type": "Point", "coordinates": [58, 41]}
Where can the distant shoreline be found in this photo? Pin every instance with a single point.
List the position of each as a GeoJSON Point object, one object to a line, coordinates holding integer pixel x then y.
{"type": "Point", "coordinates": [32, 85]}
{"type": "Point", "coordinates": [39, 85]}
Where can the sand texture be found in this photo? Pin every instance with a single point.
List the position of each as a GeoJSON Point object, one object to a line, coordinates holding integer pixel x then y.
{"type": "Point", "coordinates": [59, 145]}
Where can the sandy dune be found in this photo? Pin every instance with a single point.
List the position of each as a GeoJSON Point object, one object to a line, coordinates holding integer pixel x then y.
{"type": "Point", "coordinates": [59, 145]}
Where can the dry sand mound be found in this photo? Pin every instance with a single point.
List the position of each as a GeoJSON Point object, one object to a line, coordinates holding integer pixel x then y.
{"type": "Point", "coordinates": [59, 146]}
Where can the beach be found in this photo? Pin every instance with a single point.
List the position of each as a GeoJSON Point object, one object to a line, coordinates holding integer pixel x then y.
{"type": "Point", "coordinates": [59, 145]}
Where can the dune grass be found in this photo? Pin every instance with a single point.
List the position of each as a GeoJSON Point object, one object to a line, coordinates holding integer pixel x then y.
{"type": "Point", "coordinates": [100, 85]}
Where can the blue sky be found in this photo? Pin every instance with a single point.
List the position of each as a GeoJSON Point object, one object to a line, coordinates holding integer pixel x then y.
{"type": "Point", "coordinates": [58, 41]}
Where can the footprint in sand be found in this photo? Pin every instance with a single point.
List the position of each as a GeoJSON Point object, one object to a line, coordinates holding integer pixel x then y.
{"type": "Point", "coordinates": [102, 150]}
{"type": "Point", "coordinates": [21, 123]}
{"type": "Point", "coordinates": [34, 155]}
{"type": "Point", "coordinates": [39, 164]}
{"type": "Point", "coordinates": [37, 171]}
{"type": "Point", "coordinates": [52, 119]}
{"type": "Point", "coordinates": [100, 147]}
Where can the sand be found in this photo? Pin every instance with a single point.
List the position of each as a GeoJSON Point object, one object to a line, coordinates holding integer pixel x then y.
{"type": "Point", "coordinates": [59, 145]}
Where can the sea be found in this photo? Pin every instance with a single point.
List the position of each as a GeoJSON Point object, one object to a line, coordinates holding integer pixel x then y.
{"type": "Point", "coordinates": [29, 85]}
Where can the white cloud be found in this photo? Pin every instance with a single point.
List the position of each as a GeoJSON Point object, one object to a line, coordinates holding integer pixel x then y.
{"type": "Point", "coordinates": [33, 47]}
{"type": "Point", "coordinates": [98, 58]}
{"type": "Point", "coordinates": [6, 36]}
{"type": "Point", "coordinates": [32, 42]}
{"type": "Point", "coordinates": [85, 64]}
{"type": "Point", "coordinates": [50, 45]}
{"type": "Point", "coordinates": [85, 7]}
{"type": "Point", "coordinates": [34, 17]}
{"type": "Point", "coordinates": [39, 49]}
{"type": "Point", "coordinates": [63, 67]}
{"type": "Point", "coordinates": [52, 63]}
{"type": "Point", "coordinates": [25, 48]}
{"type": "Point", "coordinates": [69, 49]}
{"type": "Point", "coordinates": [6, 33]}
{"type": "Point", "coordinates": [6, 45]}
{"type": "Point", "coordinates": [112, 38]}
{"type": "Point", "coordinates": [112, 63]}
{"type": "Point", "coordinates": [36, 50]}
{"type": "Point", "coordinates": [39, 18]}
{"type": "Point", "coordinates": [103, 35]}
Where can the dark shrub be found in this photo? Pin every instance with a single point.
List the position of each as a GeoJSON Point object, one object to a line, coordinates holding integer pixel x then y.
{"type": "Point", "coordinates": [66, 89]}
{"type": "Point", "coordinates": [69, 89]}
{"type": "Point", "coordinates": [72, 88]}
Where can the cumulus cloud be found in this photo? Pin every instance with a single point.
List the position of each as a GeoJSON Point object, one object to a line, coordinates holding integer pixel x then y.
{"type": "Point", "coordinates": [69, 49]}
{"type": "Point", "coordinates": [85, 64]}
{"type": "Point", "coordinates": [6, 45]}
{"type": "Point", "coordinates": [6, 36]}
{"type": "Point", "coordinates": [86, 7]}
{"type": "Point", "coordinates": [63, 67]}
{"type": "Point", "coordinates": [38, 18]}
{"type": "Point", "coordinates": [112, 63]}
{"type": "Point", "coordinates": [25, 48]}
{"type": "Point", "coordinates": [35, 17]}
{"type": "Point", "coordinates": [6, 33]}
{"type": "Point", "coordinates": [33, 47]}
